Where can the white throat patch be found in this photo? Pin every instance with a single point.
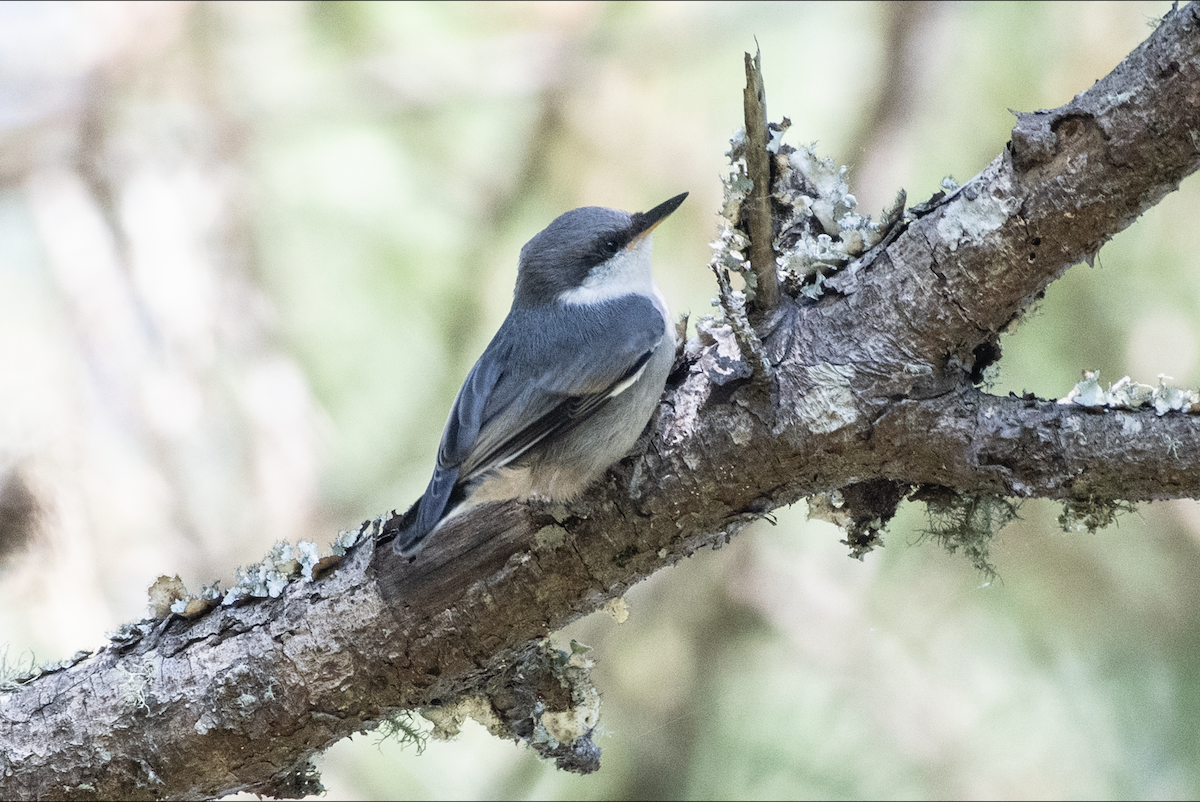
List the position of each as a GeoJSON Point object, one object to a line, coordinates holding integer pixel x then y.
{"type": "Point", "coordinates": [626, 273]}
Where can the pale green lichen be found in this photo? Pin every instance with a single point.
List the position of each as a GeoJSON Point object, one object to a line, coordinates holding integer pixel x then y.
{"type": "Point", "coordinates": [820, 234]}
{"type": "Point", "coordinates": [823, 231]}
{"type": "Point", "coordinates": [268, 577]}
{"type": "Point", "coordinates": [447, 720]}
{"type": "Point", "coordinates": [549, 537]}
{"type": "Point", "coordinates": [1092, 514]}
{"type": "Point", "coordinates": [972, 219]}
{"type": "Point", "coordinates": [348, 537]}
{"type": "Point", "coordinates": [559, 512]}
{"type": "Point", "coordinates": [309, 555]}
{"type": "Point", "coordinates": [820, 231]}
{"type": "Point", "coordinates": [285, 564]}
{"type": "Point", "coordinates": [405, 730]}
{"type": "Point", "coordinates": [969, 522]}
{"type": "Point", "coordinates": [16, 672]}
{"type": "Point", "coordinates": [722, 359]}
{"type": "Point", "coordinates": [730, 247]}
{"type": "Point", "coordinates": [568, 726]}
{"type": "Point", "coordinates": [191, 606]}
{"type": "Point", "coordinates": [1127, 394]}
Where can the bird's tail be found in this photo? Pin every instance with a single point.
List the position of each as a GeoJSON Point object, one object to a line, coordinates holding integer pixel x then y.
{"type": "Point", "coordinates": [423, 517]}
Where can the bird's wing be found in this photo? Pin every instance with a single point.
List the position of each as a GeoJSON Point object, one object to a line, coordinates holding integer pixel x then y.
{"type": "Point", "coordinates": [542, 416]}
{"type": "Point", "coordinates": [461, 430]}
{"type": "Point", "coordinates": [553, 382]}
{"type": "Point", "coordinates": [525, 389]}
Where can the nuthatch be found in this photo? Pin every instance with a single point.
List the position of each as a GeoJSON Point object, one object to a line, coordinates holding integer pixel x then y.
{"type": "Point", "coordinates": [570, 380]}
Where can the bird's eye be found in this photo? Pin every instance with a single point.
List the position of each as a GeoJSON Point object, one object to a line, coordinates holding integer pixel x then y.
{"type": "Point", "coordinates": [606, 247]}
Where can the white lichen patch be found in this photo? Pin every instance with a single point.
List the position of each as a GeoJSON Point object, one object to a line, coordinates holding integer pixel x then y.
{"type": "Point", "coordinates": [1130, 426]}
{"type": "Point", "coordinates": [286, 563]}
{"type": "Point", "coordinates": [578, 658]}
{"type": "Point", "coordinates": [730, 247]}
{"type": "Point", "coordinates": [1087, 392]}
{"type": "Point", "coordinates": [829, 404]}
{"type": "Point", "coordinates": [1167, 398]}
{"type": "Point", "coordinates": [817, 187]}
{"type": "Point", "coordinates": [309, 555]}
{"type": "Point", "coordinates": [192, 606]}
{"type": "Point", "coordinates": [1128, 394]}
{"type": "Point", "coordinates": [722, 360]}
{"type": "Point", "coordinates": [971, 219]}
{"type": "Point", "coordinates": [822, 230]}
{"type": "Point", "coordinates": [268, 577]}
{"type": "Point", "coordinates": [348, 537]}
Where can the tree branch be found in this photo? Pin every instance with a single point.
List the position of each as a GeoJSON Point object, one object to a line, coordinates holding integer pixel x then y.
{"type": "Point", "coordinates": [873, 383]}
{"type": "Point", "coordinates": [1027, 447]}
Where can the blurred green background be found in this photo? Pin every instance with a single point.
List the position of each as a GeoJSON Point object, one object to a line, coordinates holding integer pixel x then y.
{"type": "Point", "coordinates": [248, 252]}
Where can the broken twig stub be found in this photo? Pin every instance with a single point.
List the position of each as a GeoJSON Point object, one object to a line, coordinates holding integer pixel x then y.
{"type": "Point", "coordinates": [758, 204]}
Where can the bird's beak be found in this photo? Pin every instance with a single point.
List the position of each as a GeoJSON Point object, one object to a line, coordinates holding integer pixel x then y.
{"type": "Point", "coordinates": [645, 222]}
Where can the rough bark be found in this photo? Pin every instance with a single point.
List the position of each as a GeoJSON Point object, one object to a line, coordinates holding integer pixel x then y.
{"type": "Point", "coordinates": [873, 387]}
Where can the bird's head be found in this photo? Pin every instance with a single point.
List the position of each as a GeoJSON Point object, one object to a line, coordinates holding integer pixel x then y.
{"type": "Point", "coordinates": [589, 255]}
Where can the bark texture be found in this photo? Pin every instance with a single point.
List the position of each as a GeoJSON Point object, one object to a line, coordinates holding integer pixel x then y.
{"type": "Point", "coordinates": [873, 392]}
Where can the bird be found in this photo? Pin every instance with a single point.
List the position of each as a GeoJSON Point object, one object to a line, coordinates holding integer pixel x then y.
{"type": "Point", "coordinates": [571, 378]}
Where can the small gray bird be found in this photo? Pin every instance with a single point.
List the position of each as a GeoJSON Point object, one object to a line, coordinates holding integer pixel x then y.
{"type": "Point", "coordinates": [570, 380]}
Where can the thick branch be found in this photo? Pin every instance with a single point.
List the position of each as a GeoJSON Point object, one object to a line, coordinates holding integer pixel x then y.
{"type": "Point", "coordinates": [1069, 180]}
{"type": "Point", "coordinates": [1028, 447]}
{"type": "Point", "coordinates": [871, 383]}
